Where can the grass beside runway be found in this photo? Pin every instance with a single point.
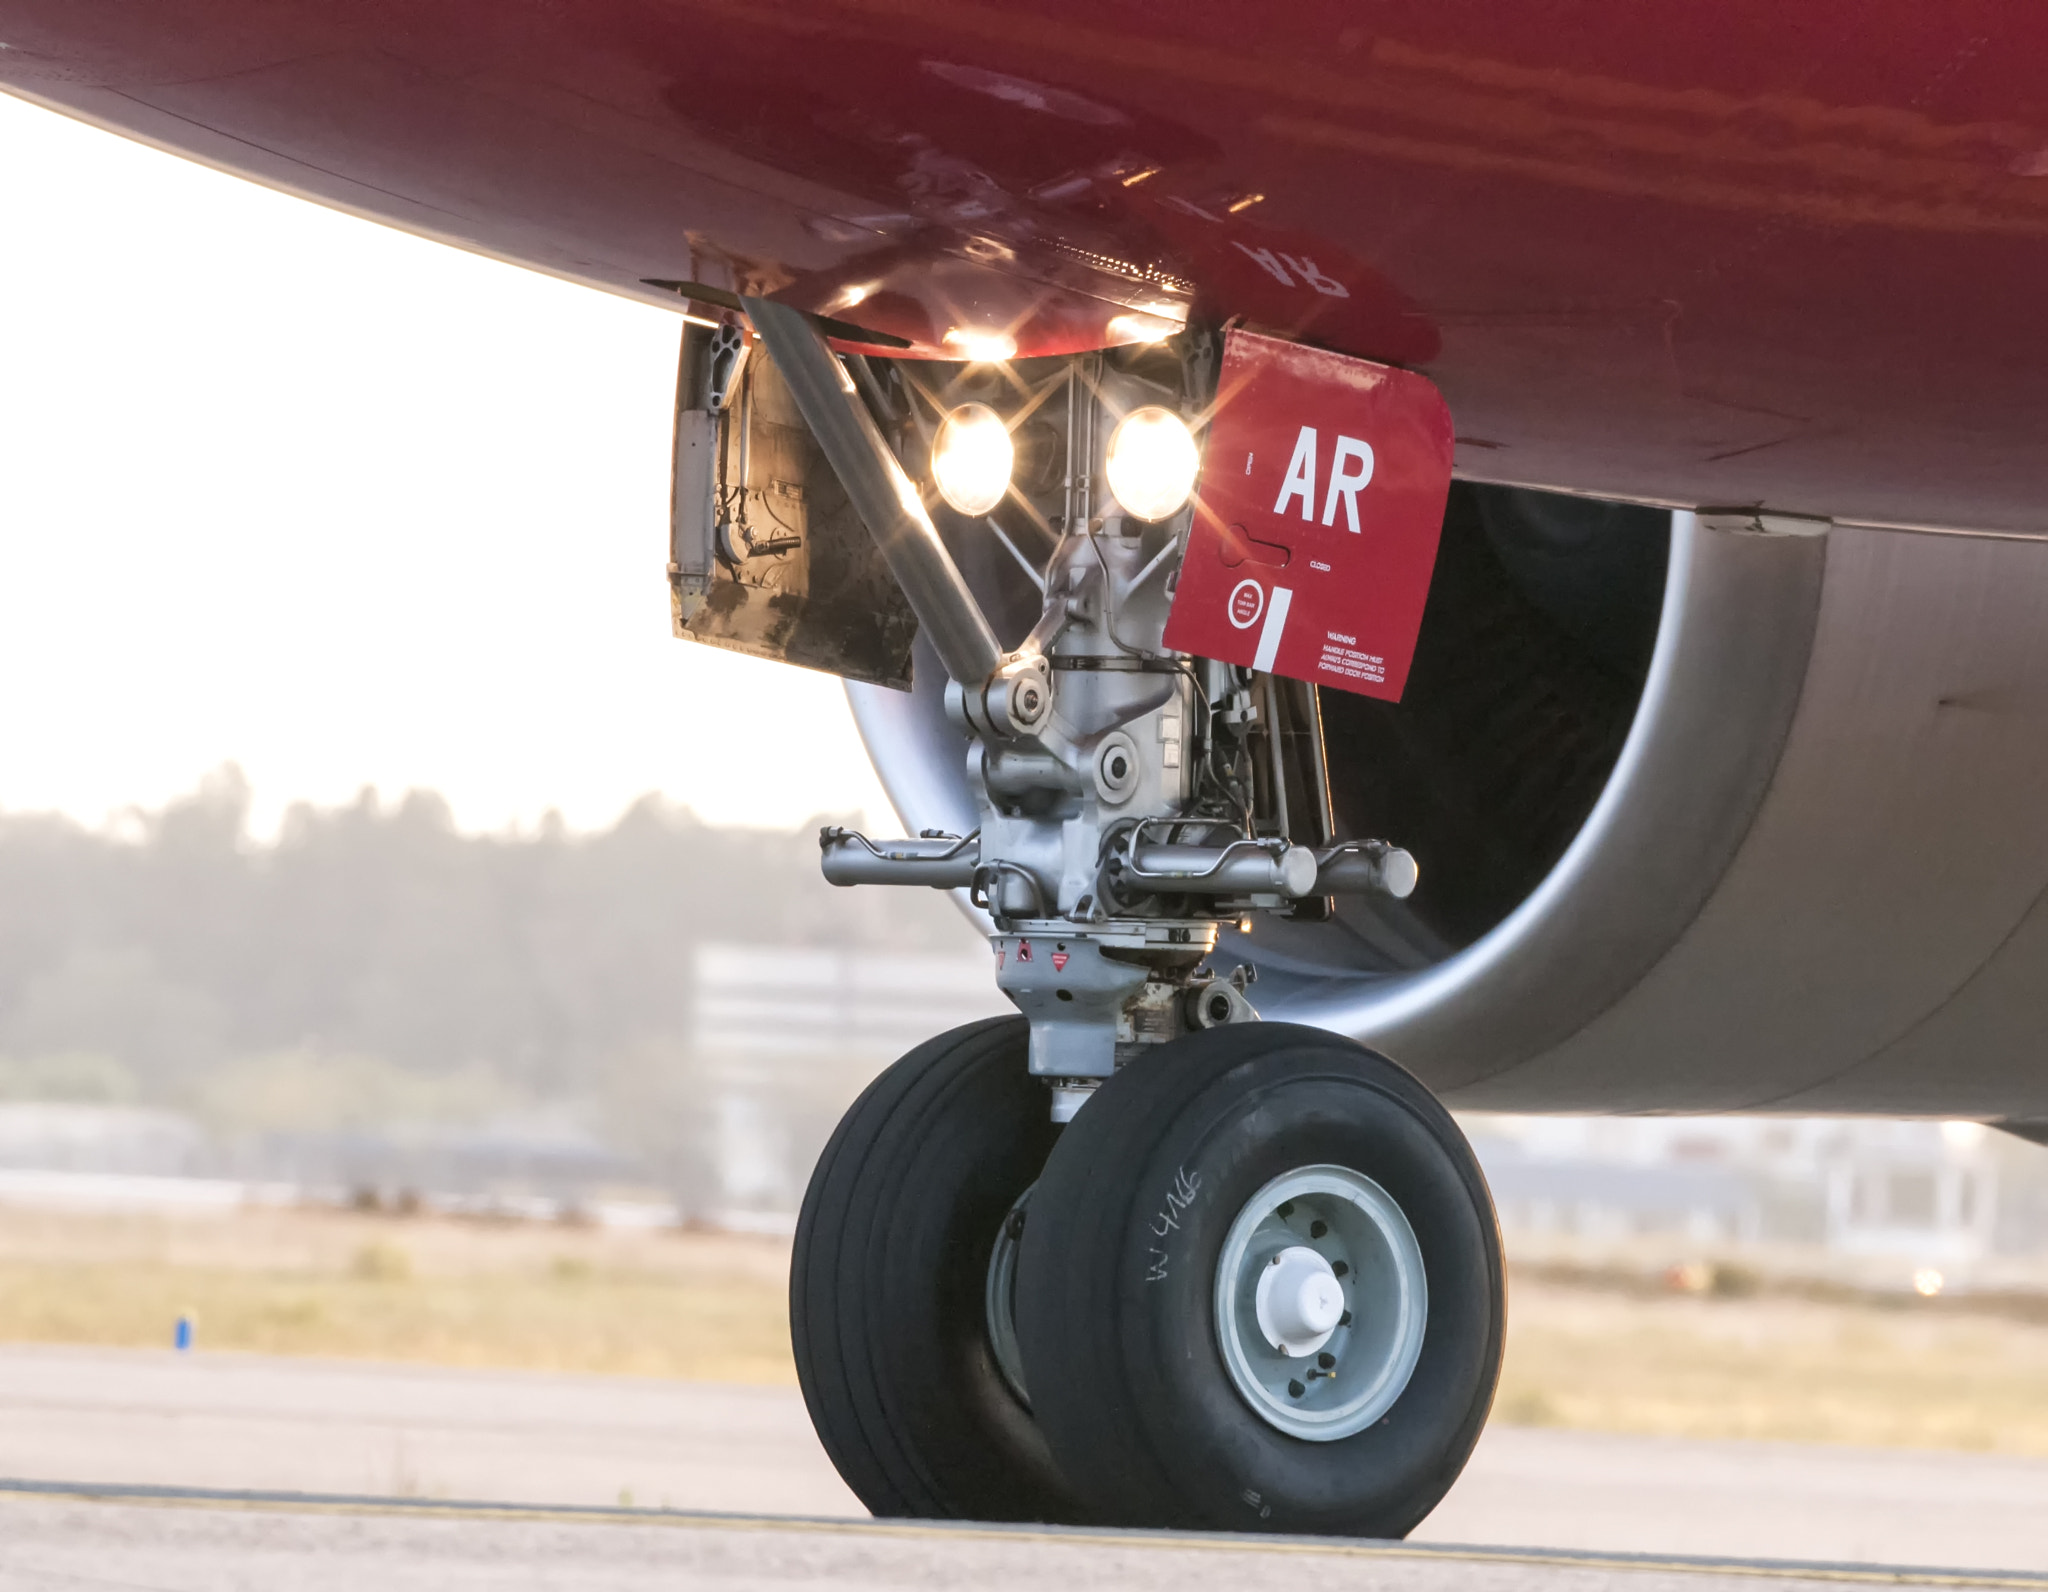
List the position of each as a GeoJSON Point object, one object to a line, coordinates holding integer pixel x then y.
{"type": "Point", "coordinates": [1889, 1372]}
{"type": "Point", "coordinates": [1583, 1352]}
{"type": "Point", "coordinates": [526, 1296]}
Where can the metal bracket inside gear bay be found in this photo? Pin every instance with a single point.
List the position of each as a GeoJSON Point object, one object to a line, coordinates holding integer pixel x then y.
{"type": "Point", "coordinates": [1131, 798]}
{"type": "Point", "coordinates": [766, 556]}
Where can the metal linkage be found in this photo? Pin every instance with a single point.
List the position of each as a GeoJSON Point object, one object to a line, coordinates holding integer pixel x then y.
{"type": "Point", "coordinates": [1242, 867]}
{"type": "Point", "coordinates": [1355, 867]}
{"type": "Point", "coordinates": [944, 862]}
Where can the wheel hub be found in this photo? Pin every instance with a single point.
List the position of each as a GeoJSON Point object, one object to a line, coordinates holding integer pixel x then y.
{"type": "Point", "coordinates": [1321, 1302]}
{"type": "Point", "coordinates": [999, 1298]}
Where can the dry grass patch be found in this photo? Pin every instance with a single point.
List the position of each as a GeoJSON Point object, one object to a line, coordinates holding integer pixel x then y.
{"type": "Point", "coordinates": [1921, 1374]}
{"type": "Point", "coordinates": [702, 1306]}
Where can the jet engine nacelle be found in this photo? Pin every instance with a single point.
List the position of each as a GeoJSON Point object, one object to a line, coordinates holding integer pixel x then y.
{"type": "Point", "coordinates": [1767, 833]}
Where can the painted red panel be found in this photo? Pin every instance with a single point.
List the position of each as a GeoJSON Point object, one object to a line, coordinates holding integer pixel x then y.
{"type": "Point", "coordinates": [1323, 487]}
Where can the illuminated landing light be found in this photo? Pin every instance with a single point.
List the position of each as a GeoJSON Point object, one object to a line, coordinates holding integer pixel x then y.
{"type": "Point", "coordinates": [857, 294]}
{"type": "Point", "coordinates": [1927, 1282]}
{"type": "Point", "coordinates": [1246, 202]}
{"type": "Point", "coordinates": [1152, 463]}
{"type": "Point", "coordinates": [1140, 329]}
{"type": "Point", "coordinates": [972, 458]}
{"type": "Point", "coordinates": [982, 348]}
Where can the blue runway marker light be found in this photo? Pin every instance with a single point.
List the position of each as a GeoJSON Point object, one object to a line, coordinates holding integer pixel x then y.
{"type": "Point", "coordinates": [182, 1338]}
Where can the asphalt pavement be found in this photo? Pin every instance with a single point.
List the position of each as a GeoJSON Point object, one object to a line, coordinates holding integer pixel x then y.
{"type": "Point", "coordinates": [590, 1482]}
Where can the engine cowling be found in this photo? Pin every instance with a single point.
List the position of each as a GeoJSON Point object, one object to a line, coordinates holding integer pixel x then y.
{"type": "Point", "coordinates": [1707, 819]}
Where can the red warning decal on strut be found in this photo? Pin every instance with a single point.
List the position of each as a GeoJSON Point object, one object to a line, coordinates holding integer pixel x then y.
{"type": "Point", "coordinates": [1316, 522]}
{"type": "Point", "coordinates": [1023, 950]}
{"type": "Point", "coordinates": [1059, 961]}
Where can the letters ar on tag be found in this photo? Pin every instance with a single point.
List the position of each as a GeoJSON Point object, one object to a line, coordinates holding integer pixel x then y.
{"type": "Point", "coordinates": [1316, 522]}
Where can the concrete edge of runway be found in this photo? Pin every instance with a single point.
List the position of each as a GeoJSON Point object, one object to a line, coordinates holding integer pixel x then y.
{"type": "Point", "coordinates": [711, 1520]}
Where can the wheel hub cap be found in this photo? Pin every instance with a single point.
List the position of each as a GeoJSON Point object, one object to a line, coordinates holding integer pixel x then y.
{"type": "Point", "coordinates": [1299, 1301]}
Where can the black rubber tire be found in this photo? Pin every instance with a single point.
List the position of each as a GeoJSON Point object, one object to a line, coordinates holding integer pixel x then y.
{"type": "Point", "coordinates": [1128, 1381]}
{"type": "Point", "coordinates": [888, 1276]}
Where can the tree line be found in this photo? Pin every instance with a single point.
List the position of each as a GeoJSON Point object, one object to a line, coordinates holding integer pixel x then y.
{"type": "Point", "coordinates": [172, 959]}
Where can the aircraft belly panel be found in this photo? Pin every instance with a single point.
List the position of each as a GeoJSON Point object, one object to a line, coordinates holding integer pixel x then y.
{"type": "Point", "coordinates": [1682, 262]}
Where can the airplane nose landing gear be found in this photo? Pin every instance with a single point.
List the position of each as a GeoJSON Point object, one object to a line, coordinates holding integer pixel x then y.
{"type": "Point", "coordinates": [1256, 1283]}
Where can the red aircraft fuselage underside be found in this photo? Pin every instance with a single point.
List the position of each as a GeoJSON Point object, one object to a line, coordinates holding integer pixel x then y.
{"type": "Point", "coordinates": [1776, 252]}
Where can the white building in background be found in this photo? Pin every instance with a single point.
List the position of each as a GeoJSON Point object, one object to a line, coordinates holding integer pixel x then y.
{"type": "Point", "coordinates": [1926, 1188]}
{"type": "Point", "coordinates": [783, 1040]}
{"type": "Point", "coordinates": [1888, 1202]}
{"type": "Point", "coordinates": [862, 1006]}
{"type": "Point", "coordinates": [47, 1136]}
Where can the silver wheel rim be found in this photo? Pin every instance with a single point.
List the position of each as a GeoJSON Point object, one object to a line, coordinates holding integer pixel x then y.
{"type": "Point", "coordinates": [1355, 1371]}
{"type": "Point", "coordinates": [999, 1298]}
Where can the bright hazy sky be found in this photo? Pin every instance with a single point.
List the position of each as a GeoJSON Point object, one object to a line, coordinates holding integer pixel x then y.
{"type": "Point", "coordinates": [346, 507]}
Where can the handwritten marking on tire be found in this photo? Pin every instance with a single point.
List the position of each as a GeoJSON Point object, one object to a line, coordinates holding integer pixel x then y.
{"type": "Point", "coordinates": [1179, 1196]}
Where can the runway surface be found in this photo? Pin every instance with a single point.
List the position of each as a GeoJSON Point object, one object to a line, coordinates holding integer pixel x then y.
{"type": "Point", "coordinates": [53, 1540]}
{"type": "Point", "coordinates": [402, 1440]}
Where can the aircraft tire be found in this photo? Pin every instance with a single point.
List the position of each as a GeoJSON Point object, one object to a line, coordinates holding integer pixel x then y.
{"type": "Point", "coordinates": [889, 1279]}
{"type": "Point", "coordinates": [1144, 1330]}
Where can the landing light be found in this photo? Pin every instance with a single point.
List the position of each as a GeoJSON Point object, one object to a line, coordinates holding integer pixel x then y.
{"type": "Point", "coordinates": [972, 458]}
{"type": "Point", "coordinates": [1152, 463]}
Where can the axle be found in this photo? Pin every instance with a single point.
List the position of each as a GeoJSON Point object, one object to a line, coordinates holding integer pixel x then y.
{"type": "Point", "coordinates": [1242, 867]}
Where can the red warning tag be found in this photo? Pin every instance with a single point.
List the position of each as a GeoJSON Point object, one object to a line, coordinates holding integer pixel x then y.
{"type": "Point", "coordinates": [1059, 961]}
{"type": "Point", "coordinates": [1023, 950]}
{"type": "Point", "coordinates": [1316, 523]}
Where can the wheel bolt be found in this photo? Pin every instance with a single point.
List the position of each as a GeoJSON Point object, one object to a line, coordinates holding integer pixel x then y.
{"type": "Point", "coordinates": [1340, 1268]}
{"type": "Point", "coordinates": [1326, 1360]}
{"type": "Point", "coordinates": [1295, 1389]}
{"type": "Point", "coordinates": [1317, 1229]}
